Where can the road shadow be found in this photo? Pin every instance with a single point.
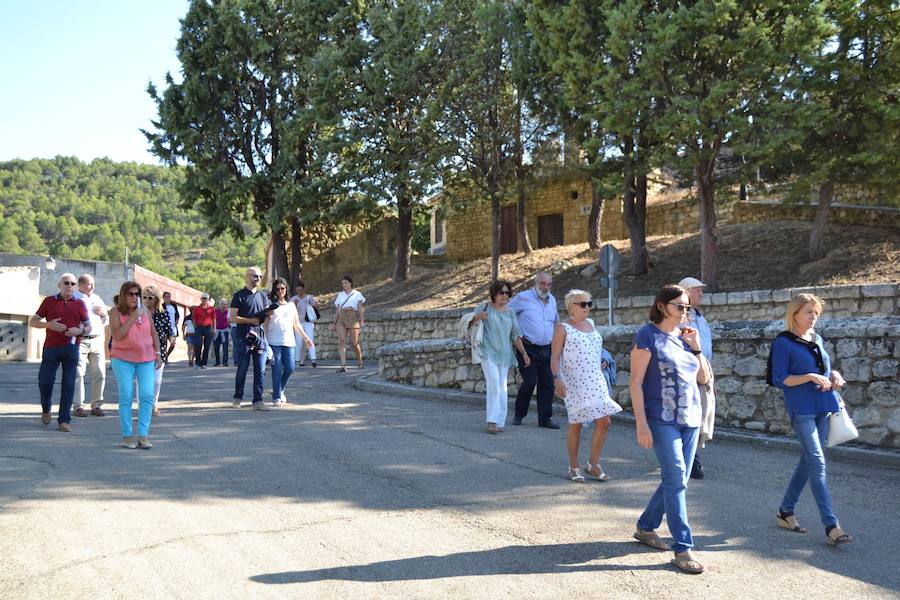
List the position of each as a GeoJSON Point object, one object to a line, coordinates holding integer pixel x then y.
{"type": "Point", "coordinates": [508, 560]}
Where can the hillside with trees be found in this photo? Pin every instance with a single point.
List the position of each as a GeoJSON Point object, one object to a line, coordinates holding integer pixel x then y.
{"type": "Point", "coordinates": [94, 211]}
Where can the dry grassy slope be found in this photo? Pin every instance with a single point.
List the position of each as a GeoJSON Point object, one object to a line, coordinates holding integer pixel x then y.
{"type": "Point", "coordinates": [751, 256]}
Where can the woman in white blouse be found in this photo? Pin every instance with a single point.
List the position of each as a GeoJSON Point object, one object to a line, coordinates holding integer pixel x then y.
{"type": "Point", "coordinates": [281, 325]}
{"type": "Point", "coordinates": [350, 318]}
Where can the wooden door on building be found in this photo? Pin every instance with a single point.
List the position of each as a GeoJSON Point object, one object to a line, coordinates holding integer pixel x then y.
{"type": "Point", "coordinates": [550, 230]}
{"type": "Point", "coordinates": [508, 238]}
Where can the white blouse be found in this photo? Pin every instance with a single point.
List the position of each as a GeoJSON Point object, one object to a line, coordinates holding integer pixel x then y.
{"type": "Point", "coordinates": [351, 300]}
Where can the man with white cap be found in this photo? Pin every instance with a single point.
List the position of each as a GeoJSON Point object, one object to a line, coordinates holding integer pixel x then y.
{"type": "Point", "coordinates": [697, 321]}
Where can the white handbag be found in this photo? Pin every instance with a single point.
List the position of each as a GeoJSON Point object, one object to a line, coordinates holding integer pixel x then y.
{"type": "Point", "coordinates": [311, 315]}
{"type": "Point", "coordinates": [840, 426]}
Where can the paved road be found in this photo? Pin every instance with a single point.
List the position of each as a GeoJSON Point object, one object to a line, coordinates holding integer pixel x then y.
{"type": "Point", "coordinates": [347, 494]}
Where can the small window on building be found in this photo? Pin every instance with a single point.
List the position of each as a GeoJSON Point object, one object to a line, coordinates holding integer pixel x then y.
{"type": "Point", "coordinates": [573, 194]}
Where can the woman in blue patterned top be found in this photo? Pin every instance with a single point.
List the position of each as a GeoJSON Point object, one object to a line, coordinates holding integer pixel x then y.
{"type": "Point", "coordinates": [501, 333]}
{"type": "Point", "coordinates": [666, 365]}
{"type": "Point", "coordinates": [802, 368]}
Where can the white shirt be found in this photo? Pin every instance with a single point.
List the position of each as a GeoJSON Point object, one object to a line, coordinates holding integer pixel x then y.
{"type": "Point", "coordinates": [280, 325]}
{"type": "Point", "coordinates": [171, 310]}
{"type": "Point", "coordinates": [302, 304]}
{"type": "Point", "coordinates": [97, 322]}
{"type": "Point", "coordinates": [351, 300]}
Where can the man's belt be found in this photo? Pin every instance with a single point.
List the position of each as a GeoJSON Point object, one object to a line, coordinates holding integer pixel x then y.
{"type": "Point", "coordinates": [529, 343]}
{"type": "Point", "coordinates": [90, 337]}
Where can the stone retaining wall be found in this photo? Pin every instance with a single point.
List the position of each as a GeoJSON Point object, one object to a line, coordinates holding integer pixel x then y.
{"type": "Point", "coordinates": [841, 301]}
{"type": "Point", "coordinates": [865, 350]}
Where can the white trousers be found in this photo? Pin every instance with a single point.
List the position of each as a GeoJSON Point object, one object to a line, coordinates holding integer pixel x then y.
{"type": "Point", "coordinates": [157, 382]}
{"type": "Point", "coordinates": [495, 390]}
{"type": "Point", "coordinates": [310, 330]}
{"type": "Point", "coordinates": [93, 352]}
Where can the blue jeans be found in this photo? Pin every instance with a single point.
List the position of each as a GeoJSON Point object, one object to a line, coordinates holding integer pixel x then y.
{"type": "Point", "coordinates": [675, 447]}
{"type": "Point", "coordinates": [282, 367]}
{"type": "Point", "coordinates": [146, 379]}
{"type": "Point", "coordinates": [243, 358]}
{"type": "Point", "coordinates": [67, 356]}
{"type": "Point", "coordinates": [811, 432]}
{"type": "Point", "coordinates": [220, 344]}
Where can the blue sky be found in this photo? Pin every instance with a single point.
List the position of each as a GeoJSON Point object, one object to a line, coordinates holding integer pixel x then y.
{"type": "Point", "coordinates": [73, 75]}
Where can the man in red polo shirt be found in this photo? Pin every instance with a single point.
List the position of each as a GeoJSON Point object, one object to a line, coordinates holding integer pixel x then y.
{"type": "Point", "coordinates": [204, 320]}
{"type": "Point", "coordinates": [66, 319]}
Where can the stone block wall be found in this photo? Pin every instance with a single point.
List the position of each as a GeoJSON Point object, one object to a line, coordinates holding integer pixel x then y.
{"type": "Point", "coordinates": [865, 350]}
{"type": "Point", "coordinates": [841, 214]}
{"type": "Point", "coordinates": [840, 301]}
{"type": "Point", "coordinates": [13, 338]}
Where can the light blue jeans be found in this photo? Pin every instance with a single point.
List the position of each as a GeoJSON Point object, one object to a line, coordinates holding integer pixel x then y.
{"type": "Point", "coordinates": [282, 367]}
{"type": "Point", "coordinates": [675, 447]}
{"type": "Point", "coordinates": [811, 432]}
{"type": "Point", "coordinates": [146, 377]}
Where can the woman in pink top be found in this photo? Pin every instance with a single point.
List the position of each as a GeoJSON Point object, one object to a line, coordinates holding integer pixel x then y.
{"type": "Point", "coordinates": [135, 354]}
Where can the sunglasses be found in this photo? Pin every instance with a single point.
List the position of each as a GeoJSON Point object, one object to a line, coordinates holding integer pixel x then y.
{"type": "Point", "coordinates": [682, 307]}
{"type": "Point", "coordinates": [588, 304]}
{"type": "Point", "coordinates": [503, 292]}
{"type": "Point", "coordinates": [149, 297]}
{"type": "Point", "coordinates": [134, 294]}
{"type": "Point", "coordinates": [281, 287]}
{"type": "Point", "coordinates": [68, 283]}
{"type": "Point", "coordinates": [255, 276]}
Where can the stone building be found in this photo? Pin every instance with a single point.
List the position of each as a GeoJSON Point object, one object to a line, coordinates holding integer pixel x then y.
{"type": "Point", "coordinates": [558, 213]}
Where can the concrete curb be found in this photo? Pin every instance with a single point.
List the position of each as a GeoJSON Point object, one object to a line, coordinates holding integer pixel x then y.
{"type": "Point", "coordinates": [853, 452]}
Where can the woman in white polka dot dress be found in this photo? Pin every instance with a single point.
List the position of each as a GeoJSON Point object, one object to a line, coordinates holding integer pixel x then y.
{"type": "Point", "coordinates": [578, 379]}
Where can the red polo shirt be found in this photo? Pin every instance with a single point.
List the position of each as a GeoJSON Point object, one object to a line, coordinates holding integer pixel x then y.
{"type": "Point", "coordinates": [204, 317]}
{"type": "Point", "coordinates": [71, 313]}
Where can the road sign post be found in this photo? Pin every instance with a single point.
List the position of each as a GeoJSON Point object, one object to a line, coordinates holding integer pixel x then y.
{"type": "Point", "coordinates": [609, 264]}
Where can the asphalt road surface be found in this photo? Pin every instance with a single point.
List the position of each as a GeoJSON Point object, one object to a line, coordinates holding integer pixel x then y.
{"type": "Point", "coordinates": [348, 494]}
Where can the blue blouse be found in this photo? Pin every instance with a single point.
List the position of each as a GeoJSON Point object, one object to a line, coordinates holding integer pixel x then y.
{"type": "Point", "coordinates": [793, 358]}
{"type": "Point", "coordinates": [671, 394]}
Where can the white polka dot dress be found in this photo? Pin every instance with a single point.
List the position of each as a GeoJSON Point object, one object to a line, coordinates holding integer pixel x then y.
{"type": "Point", "coordinates": [587, 397]}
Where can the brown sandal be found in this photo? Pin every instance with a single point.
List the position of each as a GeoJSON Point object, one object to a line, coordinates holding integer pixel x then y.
{"type": "Point", "coordinates": [789, 521]}
{"type": "Point", "coordinates": [649, 538]}
{"type": "Point", "coordinates": [687, 563]}
{"type": "Point", "coordinates": [837, 536]}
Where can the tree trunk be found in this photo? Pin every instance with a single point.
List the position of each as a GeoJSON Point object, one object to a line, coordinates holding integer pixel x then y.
{"type": "Point", "coordinates": [495, 236]}
{"type": "Point", "coordinates": [521, 222]}
{"type": "Point", "coordinates": [276, 261]}
{"type": "Point", "coordinates": [820, 221]}
{"type": "Point", "coordinates": [404, 237]}
{"type": "Point", "coordinates": [709, 242]}
{"type": "Point", "coordinates": [634, 209]}
{"type": "Point", "coordinates": [296, 252]}
{"type": "Point", "coordinates": [595, 219]}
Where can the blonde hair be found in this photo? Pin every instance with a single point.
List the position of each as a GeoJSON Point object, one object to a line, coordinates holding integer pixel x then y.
{"type": "Point", "coordinates": [572, 294]}
{"type": "Point", "coordinates": [156, 293]}
{"type": "Point", "coordinates": [796, 304]}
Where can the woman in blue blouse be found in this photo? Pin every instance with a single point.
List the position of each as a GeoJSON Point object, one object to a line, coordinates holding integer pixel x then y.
{"type": "Point", "coordinates": [802, 368]}
{"type": "Point", "coordinates": [666, 365]}
{"type": "Point", "coordinates": [501, 333]}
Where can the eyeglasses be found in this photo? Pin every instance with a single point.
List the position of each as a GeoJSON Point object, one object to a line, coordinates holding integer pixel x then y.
{"type": "Point", "coordinates": [68, 282]}
{"type": "Point", "coordinates": [134, 294]}
{"type": "Point", "coordinates": [681, 307]}
{"type": "Point", "coordinates": [588, 304]}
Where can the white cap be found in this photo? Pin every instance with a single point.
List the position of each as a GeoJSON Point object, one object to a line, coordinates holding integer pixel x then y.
{"type": "Point", "coordinates": [691, 282]}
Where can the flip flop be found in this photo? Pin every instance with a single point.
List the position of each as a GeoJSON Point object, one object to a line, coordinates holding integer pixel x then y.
{"type": "Point", "coordinates": [649, 538]}
{"type": "Point", "coordinates": [687, 563]}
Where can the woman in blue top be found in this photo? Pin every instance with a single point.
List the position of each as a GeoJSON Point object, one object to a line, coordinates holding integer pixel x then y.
{"type": "Point", "coordinates": [501, 333]}
{"type": "Point", "coordinates": [666, 365]}
{"type": "Point", "coordinates": [802, 368]}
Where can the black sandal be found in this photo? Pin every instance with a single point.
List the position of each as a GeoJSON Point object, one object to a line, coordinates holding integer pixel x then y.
{"type": "Point", "coordinates": [836, 535]}
{"type": "Point", "coordinates": [789, 521]}
{"type": "Point", "coordinates": [342, 370]}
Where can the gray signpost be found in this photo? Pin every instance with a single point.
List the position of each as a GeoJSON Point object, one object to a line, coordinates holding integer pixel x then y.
{"type": "Point", "coordinates": [609, 264]}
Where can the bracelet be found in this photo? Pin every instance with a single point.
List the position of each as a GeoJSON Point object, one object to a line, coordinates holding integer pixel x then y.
{"type": "Point", "coordinates": [696, 352]}
{"type": "Point", "coordinates": [557, 376]}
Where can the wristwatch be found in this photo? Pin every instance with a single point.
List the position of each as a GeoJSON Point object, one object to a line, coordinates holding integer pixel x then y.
{"type": "Point", "coordinates": [557, 376]}
{"type": "Point", "coordinates": [696, 352]}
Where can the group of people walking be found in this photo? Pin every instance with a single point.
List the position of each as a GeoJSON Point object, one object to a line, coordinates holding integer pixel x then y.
{"type": "Point", "coordinates": [671, 378]}
{"type": "Point", "coordinates": [671, 388]}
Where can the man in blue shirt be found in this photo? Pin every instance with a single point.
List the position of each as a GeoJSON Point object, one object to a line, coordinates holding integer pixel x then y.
{"type": "Point", "coordinates": [697, 321]}
{"type": "Point", "coordinates": [536, 312]}
{"type": "Point", "coordinates": [247, 312]}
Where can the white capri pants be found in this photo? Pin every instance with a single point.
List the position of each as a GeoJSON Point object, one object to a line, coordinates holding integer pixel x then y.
{"type": "Point", "coordinates": [310, 330]}
{"type": "Point", "coordinates": [157, 382]}
{"type": "Point", "coordinates": [495, 390]}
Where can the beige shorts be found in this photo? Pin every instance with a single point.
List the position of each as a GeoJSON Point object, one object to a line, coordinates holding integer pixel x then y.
{"type": "Point", "coordinates": [348, 318]}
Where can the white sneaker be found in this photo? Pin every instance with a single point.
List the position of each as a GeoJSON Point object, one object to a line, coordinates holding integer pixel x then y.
{"type": "Point", "coordinates": [283, 398]}
{"type": "Point", "coordinates": [236, 404]}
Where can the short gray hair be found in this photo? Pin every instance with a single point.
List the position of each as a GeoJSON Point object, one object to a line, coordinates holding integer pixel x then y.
{"type": "Point", "coordinates": [572, 294]}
